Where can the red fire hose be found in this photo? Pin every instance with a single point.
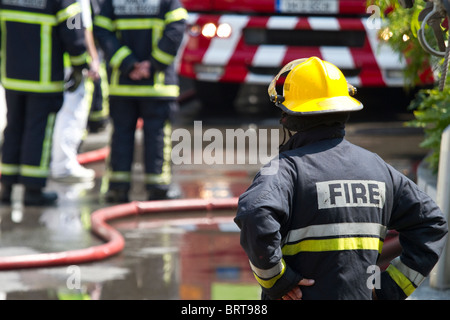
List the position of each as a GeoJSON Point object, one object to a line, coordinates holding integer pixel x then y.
{"type": "Point", "coordinates": [114, 240]}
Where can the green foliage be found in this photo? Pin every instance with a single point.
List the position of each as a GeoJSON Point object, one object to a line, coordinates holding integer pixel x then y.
{"type": "Point", "coordinates": [432, 113]}
{"type": "Point", "coordinates": [431, 107]}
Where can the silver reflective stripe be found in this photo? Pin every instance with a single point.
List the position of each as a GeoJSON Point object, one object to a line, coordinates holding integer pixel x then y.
{"type": "Point", "coordinates": [415, 277]}
{"type": "Point", "coordinates": [337, 230]}
{"type": "Point", "coordinates": [267, 273]}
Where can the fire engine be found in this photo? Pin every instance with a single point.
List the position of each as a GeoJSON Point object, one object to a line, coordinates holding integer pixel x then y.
{"type": "Point", "coordinates": [236, 45]}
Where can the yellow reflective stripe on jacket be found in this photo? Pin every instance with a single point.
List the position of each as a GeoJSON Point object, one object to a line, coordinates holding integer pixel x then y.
{"type": "Point", "coordinates": [268, 277]}
{"type": "Point", "coordinates": [176, 15]}
{"type": "Point", "coordinates": [336, 237]}
{"type": "Point", "coordinates": [46, 56]}
{"type": "Point", "coordinates": [68, 12]}
{"type": "Point", "coordinates": [337, 229]}
{"type": "Point", "coordinates": [401, 280]}
{"type": "Point", "coordinates": [138, 24]}
{"type": "Point", "coordinates": [406, 278]}
{"type": "Point", "coordinates": [415, 277]}
{"type": "Point", "coordinates": [118, 57]}
{"type": "Point", "coordinates": [78, 60]}
{"type": "Point", "coordinates": [28, 17]}
{"type": "Point", "coordinates": [144, 91]}
{"type": "Point", "coordinates": [104, 22]}
{"type": "Point", "coordinates": [162, 56]}
{"type": "Point", "coordinates": [32, 86]}
{"type": "Point", "coordinates": [337, 244]}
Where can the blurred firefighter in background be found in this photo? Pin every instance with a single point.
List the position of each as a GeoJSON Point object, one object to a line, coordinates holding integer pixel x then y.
{"type": "Point", "coordinates": [140, 40]}
{"type": "Point", "coordinates": [71, 120]}
{"type": "Point", "coordinates": [34, 36]}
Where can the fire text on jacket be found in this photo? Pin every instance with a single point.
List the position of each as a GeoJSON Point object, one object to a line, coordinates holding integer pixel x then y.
{"type": "Point", "coordinates": [350, 193]}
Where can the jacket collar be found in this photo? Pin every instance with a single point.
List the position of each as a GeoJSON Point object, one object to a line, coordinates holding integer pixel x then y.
{"type": "Point", "coordinates": [315, 134]}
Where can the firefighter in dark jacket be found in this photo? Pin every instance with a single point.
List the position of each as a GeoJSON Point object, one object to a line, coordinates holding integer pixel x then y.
{"type": "Point", "coordinates": [314, 219]}
{"type": "Point", "coordinates": [34, 37]}
{"type": "Point", "coordinates": [140, 40]}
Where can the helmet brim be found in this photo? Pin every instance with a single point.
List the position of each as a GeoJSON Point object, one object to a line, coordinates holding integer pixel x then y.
{"type": "Point", "coordinates": [323, 105]}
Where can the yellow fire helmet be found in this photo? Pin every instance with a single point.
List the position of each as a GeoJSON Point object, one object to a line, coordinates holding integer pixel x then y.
{"type": "Point", "coordinates": [313, 86]}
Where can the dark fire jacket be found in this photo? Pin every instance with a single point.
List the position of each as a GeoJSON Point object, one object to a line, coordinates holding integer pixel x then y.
{"type": "Point", "coordinates": [134, 31]}
{"type": "Point", "coordinates": [322, 210]}
{"type": "Point", "coordinates": [35, 35]}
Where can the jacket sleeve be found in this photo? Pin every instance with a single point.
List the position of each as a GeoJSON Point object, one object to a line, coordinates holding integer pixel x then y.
{"type": "Point", "coordinates": [71, 32]}
{"type": "Point", "coordinates": [422, 233]}
{"type": "Point", "coordinates": [165, 50]}
{"type": "Point", "coordinates": [117, 55]}
{"type": "Point", "coordinates": [262, 211]}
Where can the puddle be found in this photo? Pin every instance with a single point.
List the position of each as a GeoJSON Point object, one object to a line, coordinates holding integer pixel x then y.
{"type": "Point", "coordinates": [166, 257]}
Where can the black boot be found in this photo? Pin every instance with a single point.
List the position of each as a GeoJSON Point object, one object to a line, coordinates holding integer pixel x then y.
{"type": "Point", "coordinates": [117, 196]}
{"type": "Point", "coordinates": [5, 193]}
{"type": "Point", "coordinates": [36, 197]}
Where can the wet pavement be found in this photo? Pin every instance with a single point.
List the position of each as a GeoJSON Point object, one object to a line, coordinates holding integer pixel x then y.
{"type": "Point", "coordinates": [186, 255]}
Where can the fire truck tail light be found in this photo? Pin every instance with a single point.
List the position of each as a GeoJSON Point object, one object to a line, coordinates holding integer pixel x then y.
{"type": "Point", "coordinates": [224, 30]}
{"type": "Point", "coordinates": [211, 30]}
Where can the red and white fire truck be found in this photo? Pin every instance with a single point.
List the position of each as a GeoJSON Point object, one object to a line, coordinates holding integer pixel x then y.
{"type": "Point", "coordinates": [232, 43]}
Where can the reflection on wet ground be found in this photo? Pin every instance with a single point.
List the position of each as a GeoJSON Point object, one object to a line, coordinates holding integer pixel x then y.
{"type": "Point", "coordinates": [169, 256]}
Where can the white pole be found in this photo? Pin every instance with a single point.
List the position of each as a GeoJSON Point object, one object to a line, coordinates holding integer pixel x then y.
{"type": "Point", "coordinates": [440, 277]}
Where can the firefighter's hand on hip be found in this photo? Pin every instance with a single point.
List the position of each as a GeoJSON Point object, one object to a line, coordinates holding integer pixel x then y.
{"type": "Point", "coordinates": [140, 71]}
{"type": "Point", "coordinates": [296, 293]}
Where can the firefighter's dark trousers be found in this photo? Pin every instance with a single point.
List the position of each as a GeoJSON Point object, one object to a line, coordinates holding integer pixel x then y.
{"type": "Point", "coordinates": [156, 116]}
{"type": "Point", "coordinates": [28, 137]}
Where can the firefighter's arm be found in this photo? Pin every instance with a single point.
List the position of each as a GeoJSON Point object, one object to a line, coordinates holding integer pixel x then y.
{"type": "Point", "coordinates": [164, 52]}
{"type": "Point", "coordinates": [118, 55]}
{"type": "Point", "coordinates": [260, 239]}
{"type": "Point", "coordinates": [262, 210]}
{"type": "Point", "coordinates": [422, 233]}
